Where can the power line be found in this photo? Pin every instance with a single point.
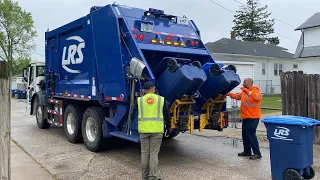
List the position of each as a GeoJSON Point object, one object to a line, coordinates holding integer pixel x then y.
{"type": "Point", "coordinates": [222, 6]}
{"type": "Point", "coordinates": [235, 13]}
{"type": "Point", "coordinates": [270, 16]}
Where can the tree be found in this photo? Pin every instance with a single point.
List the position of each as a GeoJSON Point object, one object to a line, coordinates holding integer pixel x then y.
{"type": "Point", "coordinates": [16, 33]}
{"type": "Point", "coordinates": [19, 64]}
{"type": "Point", "coordinates": [252, 23]}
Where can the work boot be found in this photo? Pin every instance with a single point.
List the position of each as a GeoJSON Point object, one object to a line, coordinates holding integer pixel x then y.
{"type": "Point", "coordinates": [256, 156]}
{"type": "Point", "coordinates": [244, 154]}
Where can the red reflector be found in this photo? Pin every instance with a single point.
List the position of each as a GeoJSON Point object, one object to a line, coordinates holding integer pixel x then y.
{"type": "Point", "coordinates": [197, 43]}
{"type": "Point", "coordinates": [169, 38]}
{"type": "Point", "coordinates": [192, 43]}
{"type": "Point", "coordinates": [135, 36]}
{"type": "Point", "coordinates": [141, 37]}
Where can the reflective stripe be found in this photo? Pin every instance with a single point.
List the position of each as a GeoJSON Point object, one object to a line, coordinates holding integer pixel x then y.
{"type": "Point", "coordinates": [159, 100]}
{"type": "Point", "coordinates": [141, 107]}
{"type": "Point", "coordinates": [150, 119]}
{"type": "Point", "coordinates": [142, 114]}
{"type": "Point", "coordinates": [248, 103]}
{"type": "Point", "coordinates": [257, 97]}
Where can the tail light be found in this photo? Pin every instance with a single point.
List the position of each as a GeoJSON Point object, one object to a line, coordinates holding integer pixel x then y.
{"type": "Point", "coordinates": [135, 36]}
{"type": "Point", "coordinates": [141, 37]}
{"type": "Point", "coordinates": [192, 43]}
{"type": "Point", "coordinates": [197, 43]}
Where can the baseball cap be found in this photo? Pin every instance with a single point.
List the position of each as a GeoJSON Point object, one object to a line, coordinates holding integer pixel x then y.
{"type": "Point", "coordinates": [148, 85]}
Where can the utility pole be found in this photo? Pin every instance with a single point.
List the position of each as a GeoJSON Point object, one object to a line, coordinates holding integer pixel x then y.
{"type": "Point", "coordinates": [5, 123]}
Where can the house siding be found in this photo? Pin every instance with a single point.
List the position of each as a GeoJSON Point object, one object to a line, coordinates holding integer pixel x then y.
{"type": "Point", "coordinates": [244, 71]}
{"type": "Point", "coordinates": [311, 37]}
{"type": "Point", "coordinates": [270, 83]}
{"type": "Point", "coordinates": [310, 65]}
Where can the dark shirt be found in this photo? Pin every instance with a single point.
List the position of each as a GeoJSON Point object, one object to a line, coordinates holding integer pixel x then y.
{"type": "Point", "coordinates": [166, 114]}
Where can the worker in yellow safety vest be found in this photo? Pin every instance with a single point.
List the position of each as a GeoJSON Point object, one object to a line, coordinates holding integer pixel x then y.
{"type": "Point", "coordinates": [153, 114]}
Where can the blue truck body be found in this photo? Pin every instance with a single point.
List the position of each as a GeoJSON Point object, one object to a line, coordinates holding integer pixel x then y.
{"type": "Point", "coordinates": [89, 64]}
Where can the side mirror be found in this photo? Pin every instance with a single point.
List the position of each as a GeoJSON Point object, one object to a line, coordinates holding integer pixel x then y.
{"type": "Point", "coordinates": [25, 74]}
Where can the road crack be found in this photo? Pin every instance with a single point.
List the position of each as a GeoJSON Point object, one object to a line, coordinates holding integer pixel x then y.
{"type": "Point", "coordinates": [88, 166]}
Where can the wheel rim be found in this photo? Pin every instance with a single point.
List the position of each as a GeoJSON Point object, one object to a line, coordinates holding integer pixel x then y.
{"type": "Point", "coordinates": [91, 129]}
{"type": "Point", "coordinates": [292, 175]}
{"type": "Point", "coordinates": [71, 123]}
{"type": "Point", "coordinates": [39, 114]}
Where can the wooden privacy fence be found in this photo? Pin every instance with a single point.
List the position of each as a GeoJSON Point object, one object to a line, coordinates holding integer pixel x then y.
{"type": "Point", "coordinates": [5, 116]}
{"type": "Point", "coordinates": [300, 95]}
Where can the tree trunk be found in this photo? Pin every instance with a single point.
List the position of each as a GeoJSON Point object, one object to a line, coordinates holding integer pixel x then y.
{"type": "Point", "coordinates": [5, 118]}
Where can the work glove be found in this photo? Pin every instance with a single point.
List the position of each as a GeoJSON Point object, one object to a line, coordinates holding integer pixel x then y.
{"type": "Point", "coordinates": [245, 90]}
{"type": "Point", "coordinates": [166, 131]}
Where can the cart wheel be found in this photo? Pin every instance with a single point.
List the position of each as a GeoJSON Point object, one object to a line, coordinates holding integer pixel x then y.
{"type": "Point", "coordinates": [215, 69]}
{"type": "Point", "coordinates": [233, 68]}
{"type": "Point", "coordinates": [172, 65]}
{"type": "Point", "coordinates": [292, 174]}
{"type": "Point", "coordinates": [311, 175]}
{"type": "Point", "coordinates": [197, 64]}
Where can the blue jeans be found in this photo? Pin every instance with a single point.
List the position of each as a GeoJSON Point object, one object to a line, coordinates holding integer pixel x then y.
{"type": "Point", "coordinates": [249, 137]}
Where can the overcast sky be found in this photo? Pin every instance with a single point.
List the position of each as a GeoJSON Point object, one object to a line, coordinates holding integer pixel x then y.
{"type": "Point", "coordinates": [213, 21]}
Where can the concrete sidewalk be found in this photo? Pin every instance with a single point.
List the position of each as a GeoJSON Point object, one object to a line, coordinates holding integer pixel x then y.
{"type": "Point", "coordinates": [23, 167]}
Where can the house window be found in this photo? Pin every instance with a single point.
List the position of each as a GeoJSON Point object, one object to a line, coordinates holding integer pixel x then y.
{"type": "Point", "coordinates": [263, 68]}
{"type": "Point", "coordinates": [280, 69]}
{"type": "Point", "coordinates": [275, 69]}
{"type": "Point", "coordinates": [295, 66]}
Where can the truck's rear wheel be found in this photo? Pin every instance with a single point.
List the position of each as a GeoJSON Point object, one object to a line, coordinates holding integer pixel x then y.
{"type": "Point", "coordinates": [92, 128]}
{"type": "Point", "coordinates": [72, 123]}
{"type": "Point", "coordinates": [41, 121]}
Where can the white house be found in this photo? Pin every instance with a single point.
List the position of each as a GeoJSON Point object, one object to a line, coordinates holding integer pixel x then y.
{"type": "Point", "coordinates": [269, 60]}
{"type": "Point", "coordinates": [308, 49]}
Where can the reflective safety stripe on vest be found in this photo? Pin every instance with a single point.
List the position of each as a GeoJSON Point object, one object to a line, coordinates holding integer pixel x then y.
{"type": "Point", "coordinates": [150, 114]}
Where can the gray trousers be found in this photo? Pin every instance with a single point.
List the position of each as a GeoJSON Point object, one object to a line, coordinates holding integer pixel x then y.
{"type": "Point", "coordinates": [150, 147]}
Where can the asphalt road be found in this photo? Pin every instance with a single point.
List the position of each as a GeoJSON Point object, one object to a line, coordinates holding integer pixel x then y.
{"type": "Point", "coordinates": [187, 157]}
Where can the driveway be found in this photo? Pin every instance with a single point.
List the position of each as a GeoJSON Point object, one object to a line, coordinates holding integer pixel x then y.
{"type": "Point", "coordinates": [185, 157]}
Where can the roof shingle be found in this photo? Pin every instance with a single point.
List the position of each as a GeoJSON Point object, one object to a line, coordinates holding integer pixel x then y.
{"type": "Point", "coordinates": [231, 46]}
{"type": "Point", "coordinates": [313, 21]}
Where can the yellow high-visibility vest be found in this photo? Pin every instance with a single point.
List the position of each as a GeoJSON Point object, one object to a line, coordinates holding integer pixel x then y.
{"type": "Point", "coordinates": [150, 114]}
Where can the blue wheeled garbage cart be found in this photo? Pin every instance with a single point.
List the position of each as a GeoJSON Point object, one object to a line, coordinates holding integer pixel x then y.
{"type": "Point", "coordinates": [291, 146]}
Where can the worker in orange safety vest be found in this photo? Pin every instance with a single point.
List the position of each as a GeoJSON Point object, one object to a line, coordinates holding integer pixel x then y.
{"type": "Point", "coordinates": [250, 114]}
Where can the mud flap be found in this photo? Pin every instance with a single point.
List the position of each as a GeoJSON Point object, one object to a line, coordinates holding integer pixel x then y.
{"type": "Point", "coordinates": [106, 129]}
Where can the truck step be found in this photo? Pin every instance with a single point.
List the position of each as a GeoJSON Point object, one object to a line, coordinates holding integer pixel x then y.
{"type": "Point", "coordinates": [123, 135]}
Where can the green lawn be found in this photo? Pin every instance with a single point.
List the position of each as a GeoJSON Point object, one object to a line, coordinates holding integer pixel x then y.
{"type": "Point", "coordinates": [271, 101]}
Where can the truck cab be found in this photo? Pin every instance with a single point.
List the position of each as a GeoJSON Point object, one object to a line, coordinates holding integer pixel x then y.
{"type": "Point", "coordinates": [34, 75]}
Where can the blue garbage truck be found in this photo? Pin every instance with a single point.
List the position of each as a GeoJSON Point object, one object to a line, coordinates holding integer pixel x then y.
{"type": "Point", "coordinates": [95, 68]}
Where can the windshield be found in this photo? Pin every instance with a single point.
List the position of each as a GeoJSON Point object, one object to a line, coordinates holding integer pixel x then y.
{"type": "Point", "coordinates": [40, 71]}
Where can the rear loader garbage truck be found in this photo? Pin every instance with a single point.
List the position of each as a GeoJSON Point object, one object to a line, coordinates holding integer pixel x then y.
{"type": "Point", "coordinates": [95, 68]}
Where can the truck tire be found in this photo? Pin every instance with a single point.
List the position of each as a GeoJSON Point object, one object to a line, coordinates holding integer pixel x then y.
{"type": "Point", "coordinates": [92, 128]}
{"type": "Point", "coordinates": [72, 123]}
{"type": "Point", "coordinates": [41, 121]}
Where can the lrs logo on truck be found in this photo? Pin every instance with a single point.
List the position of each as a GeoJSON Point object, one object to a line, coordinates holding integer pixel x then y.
{"type": "Point", "coordinates": [281, 133]}
{"type": "Point", "coordinates": [72, 51]}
